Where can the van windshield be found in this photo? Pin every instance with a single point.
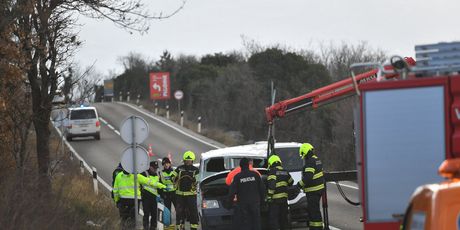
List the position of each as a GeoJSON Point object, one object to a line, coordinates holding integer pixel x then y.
{"type": "Point", "coordinates": [82, 114]}
{"type": "Point", "coordinates": [290, 158]}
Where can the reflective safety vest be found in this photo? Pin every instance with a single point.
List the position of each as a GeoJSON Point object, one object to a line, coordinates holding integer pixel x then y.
{"type": "Point", "coordinates": [312, 175]}
{"type": "Point", "coordinates": [167, 178]}
{"type": "Point", "coordinates": [278, 181]}
{"type": "Point", "coordinates": [154, 185]}
{"type": "Point", "coordinates": [124, 186]}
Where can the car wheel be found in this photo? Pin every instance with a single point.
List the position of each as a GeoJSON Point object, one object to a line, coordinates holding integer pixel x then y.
{"type": "Point", "coordinates": [69, 138]}
{"type": "Point", "coordinates": [97, 136]}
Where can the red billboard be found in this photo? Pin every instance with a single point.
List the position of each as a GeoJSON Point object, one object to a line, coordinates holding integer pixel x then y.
{"type": "Point", "coordinates": [159, 86]}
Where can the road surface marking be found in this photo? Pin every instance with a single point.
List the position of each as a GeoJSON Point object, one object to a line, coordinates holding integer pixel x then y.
{"type": "Point", "coordinates": [165, 123]}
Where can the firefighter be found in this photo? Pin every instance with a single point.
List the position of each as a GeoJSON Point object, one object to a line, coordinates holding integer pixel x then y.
{"type": "Point", "coordinates": [167, 178]}
{"type": "Point", "coordinates": [185, 178]}
{"type": "Point", "coordinates": [150, 197]}
{"type": "Point", "coordinates": [278, 181]}
{"type": "Point", "coordinates": [250, 192]}
{"type": "Point", "coordinates": [312, 184]}
{"type": "Point", "coordinates": [123, 195]}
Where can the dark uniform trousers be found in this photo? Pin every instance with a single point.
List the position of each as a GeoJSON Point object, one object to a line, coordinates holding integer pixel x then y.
{"type": "Point", "coordinates": [149, 205]}
{"type": "Point", "coordinates": [186, 208]}
{"type": "Point", "coordinates": [247, 217]}
{"type": "Point", "coordinates": [169, 198]}
{"type": "Point", "coordinates": [313, 199]}
{"type": "Point", "coordinates": [278, 215]}
{"type": "Point", "coordinates": [126, 209]}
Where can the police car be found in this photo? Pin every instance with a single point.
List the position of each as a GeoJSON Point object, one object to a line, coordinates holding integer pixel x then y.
{"type": "Point", "coordinates": [213, 210]}
{"type": "Point", "coordinates": [83, 122]}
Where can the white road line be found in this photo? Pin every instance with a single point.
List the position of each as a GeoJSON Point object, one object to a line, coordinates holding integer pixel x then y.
{"type": "Point", "coordinates": [165, 123]}
{"type": "Point", "coordinates": [105, 184]}
{"type": "Point", "coordinates": [102, 119]}
{"type": "Point", "coordinates": [333, 228]}
{"type": "Point", "coordinates": [110, 126]}
{"type": "Point", "coordinates": [345, 185]}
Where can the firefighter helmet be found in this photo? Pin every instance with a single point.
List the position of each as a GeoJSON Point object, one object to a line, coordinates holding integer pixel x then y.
{"type": "Point", "coordinates": [273, 159]}
{"type": "Point", "coordinates": [189, 155]}
{"type": "Point", "coordinates": [304, 149]}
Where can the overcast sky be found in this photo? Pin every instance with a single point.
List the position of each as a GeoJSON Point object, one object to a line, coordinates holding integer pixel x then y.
{"type": "Point", "coordinates": [209, 26]}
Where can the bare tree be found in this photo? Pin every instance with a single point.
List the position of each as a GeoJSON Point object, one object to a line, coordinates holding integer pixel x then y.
{"type": "Point", "coordinates": [45, 32]}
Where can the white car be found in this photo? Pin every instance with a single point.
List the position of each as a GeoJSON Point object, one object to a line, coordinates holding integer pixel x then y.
{"type": "Point", "coordinates": [83, 122]}
{"type": "Point", "coordinates": [215, 165]}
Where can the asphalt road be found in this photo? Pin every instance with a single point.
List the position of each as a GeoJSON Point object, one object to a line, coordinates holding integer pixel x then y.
{"type": "Point", "coordinates": [166, 138]}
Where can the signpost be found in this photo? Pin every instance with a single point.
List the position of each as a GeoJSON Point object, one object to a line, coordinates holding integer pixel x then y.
{"type": "Point", "coordinates": [134, 130]}
{"type": "Point", "coordinates": [160, 86]}
{"type": "Point", "coordinates": [178, 95]}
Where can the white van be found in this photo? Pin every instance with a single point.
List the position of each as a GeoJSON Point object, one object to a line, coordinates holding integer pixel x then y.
{"type": "Point", "coordinates": [83, 122]}
{"type": "Point", "coordinates": [215, 165]}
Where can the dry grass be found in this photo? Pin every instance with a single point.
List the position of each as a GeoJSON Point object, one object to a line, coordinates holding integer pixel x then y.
{"type": "Point", "coordinates": [70, 204]}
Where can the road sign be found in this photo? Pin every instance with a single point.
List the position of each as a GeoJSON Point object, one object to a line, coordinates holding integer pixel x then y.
{"type": "Point", "coordinates": [178, 94]}
{"type": "Point", "coordinates": [142, 160]}
{"type": "Point", "coordinates": [159, 86]}
{"type": "Point", "coordinates": [141, 130]}
{"type": "Point", "coordinates": [108, 88]}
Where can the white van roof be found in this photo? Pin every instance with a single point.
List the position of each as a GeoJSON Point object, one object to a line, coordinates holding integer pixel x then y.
{"type": "Point", "coordinates": [82, 108]}
{"type": "Point", "coordinates": [259, 149]}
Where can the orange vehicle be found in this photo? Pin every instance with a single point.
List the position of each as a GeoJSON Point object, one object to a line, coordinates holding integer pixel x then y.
{"type": "Point", "coordinates": [437, 206]}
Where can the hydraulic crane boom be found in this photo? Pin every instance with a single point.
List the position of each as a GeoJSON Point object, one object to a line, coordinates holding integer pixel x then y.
{"type": "Point", "coordinates": [334, 91]}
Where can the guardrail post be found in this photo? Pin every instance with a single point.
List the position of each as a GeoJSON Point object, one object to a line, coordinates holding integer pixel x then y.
{"type": "Point", "coordinates": [199, 124]}
{"type": "Point", "coordinates": [156, 108]}
{"type": "Point", "coordinates": [138, 97]}
{"type": "Point", "coordinates": [167, 111]}
{"type": "Point", "coordinates": [96, 189]}
{"type": "Point", "coordinates": [82, 168]}
{"type": "Point", "coordinates": [182, 118]}
{"type": "Point", "coordinates": [128, 97]}
{"type": "Point", "coordinates": [121, 96]}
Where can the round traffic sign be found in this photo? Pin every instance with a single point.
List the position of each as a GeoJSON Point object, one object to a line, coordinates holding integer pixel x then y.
{"type": "Point", "coordinates": [142, 160]}
{"type": "Point", "coordinates": [140, 130]}
{"type": "Point", "coordinates": [178, 94]}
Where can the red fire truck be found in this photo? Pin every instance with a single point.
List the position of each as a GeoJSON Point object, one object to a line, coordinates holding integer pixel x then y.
{"type": "Point", "coordinates": [407, 122]}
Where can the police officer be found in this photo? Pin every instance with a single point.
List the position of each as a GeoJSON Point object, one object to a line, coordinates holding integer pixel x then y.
{"type": "Point", "coordinates": [167, 178]}
{"type": "Point", "coordinates": [312, 184]}
{"type": "Point", "coordinates": [278, 181]}
{"type": "Point", "coordinates": [185, 177]}
{"type": "Point", "coordinates": [150, 197]}
{"type": "Point", "coordinates": [123, 195]}
{"type": "Point", "coordinates": [115, 172]}
{"type": "Point", "coordinates": [250, 193]}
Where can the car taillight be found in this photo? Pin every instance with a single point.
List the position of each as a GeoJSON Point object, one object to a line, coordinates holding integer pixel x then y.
{"type": "Point", "coordinates": [69, 126]}
{"type": "Point", "coordinates": [98, 124]}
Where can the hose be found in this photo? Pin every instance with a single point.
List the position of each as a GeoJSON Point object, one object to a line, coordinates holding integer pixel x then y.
{"type": "Point", "coordinates": [344, 196]}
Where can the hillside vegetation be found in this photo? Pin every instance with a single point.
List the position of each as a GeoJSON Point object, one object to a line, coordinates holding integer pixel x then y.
{"type": "Point", "coordinates": [230, 91]}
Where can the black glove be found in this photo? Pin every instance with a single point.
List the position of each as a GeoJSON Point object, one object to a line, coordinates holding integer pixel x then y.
{"type": "Point", "coordinates": [299, 186]}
